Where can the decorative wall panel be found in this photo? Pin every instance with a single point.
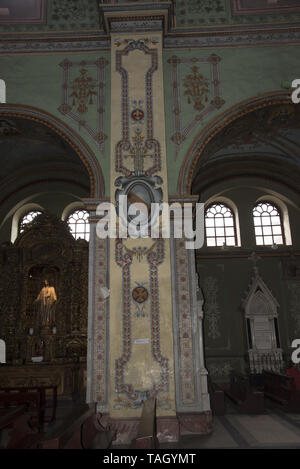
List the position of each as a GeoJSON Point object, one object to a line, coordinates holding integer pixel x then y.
{"type": "Point", "coordinates": [100, 324]}
{"type": "Point", "coordinates": [196, 92]}
{"type": "Point", "coordinates": [83, 96]}
{"type": "Point", "coordinates": [141, 358]}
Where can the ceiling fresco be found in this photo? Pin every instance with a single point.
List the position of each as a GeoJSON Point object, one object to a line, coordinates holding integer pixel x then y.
{"type": "Point", "coordinates": [59, 15]}
{"type": "Point", "coordinates": [84, 15]}
{"type": "Point", "coordinates": [20, 11]}
{"type": "Point", "coordinates": [253, 7]}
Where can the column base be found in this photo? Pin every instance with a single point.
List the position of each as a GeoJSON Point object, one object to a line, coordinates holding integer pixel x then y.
{"type": "Point", "coordinates": [196, 423]}
{"type": "Point", "coordinates": [169, 429]}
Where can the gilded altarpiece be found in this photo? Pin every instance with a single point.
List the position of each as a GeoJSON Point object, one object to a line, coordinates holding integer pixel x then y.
{"type": "Point", "coordinates": [44, 258]}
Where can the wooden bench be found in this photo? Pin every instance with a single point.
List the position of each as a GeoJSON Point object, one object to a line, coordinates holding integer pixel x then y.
{"type": "Point", "coordinates": [48, 399]}
{"type": "Point", "coordinates": [217, 398]}
{"type": "Point", "coordinates": [282, 390]}
{"type": "Point", "coordinates": [247, 399]}
{"type": "Point", "coordinates": [78, 431]}
{"type": "Point", "coordinates": [15, 426]}
{"type": "Point", "coordinates": [32, 400]}
{"type": "Point", "coordinates": [146, 435]}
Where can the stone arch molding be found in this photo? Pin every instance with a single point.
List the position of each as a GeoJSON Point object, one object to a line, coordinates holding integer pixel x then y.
{"type": "Point", "coordinates": [186, 175]}
{"type": "Point", "coordinates": [19, 214]}
{"type": "Point", "coordinates": [86, 155]}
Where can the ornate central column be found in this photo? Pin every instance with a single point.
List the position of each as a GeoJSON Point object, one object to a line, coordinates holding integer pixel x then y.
{"type": "Point", "coordinates": [138, 332]}
{"type": "Point", "coordinates": [141, 353]}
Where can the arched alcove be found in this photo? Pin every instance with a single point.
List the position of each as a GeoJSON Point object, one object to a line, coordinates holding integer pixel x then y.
{"type": "Point", "coordinates": [11, 114]}
{"type": "Point", "coordinates": [46, 160]}
{"type": "Point", "coordinates": [230, 125]}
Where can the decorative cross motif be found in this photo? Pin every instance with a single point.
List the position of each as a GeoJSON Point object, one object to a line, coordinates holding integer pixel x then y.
{"type": "Point", "coordinates": [83, 90]}
{"type": "Point", "coordinates": [197, 88]}
{"type": "Point", "coordinates": [254, 258]}
{"type": "Point", "coordinates": [138, 152]}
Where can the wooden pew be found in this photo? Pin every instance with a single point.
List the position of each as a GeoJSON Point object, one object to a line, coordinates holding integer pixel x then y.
{"type": "Point", "coordinates": [28, 395]}
{"type": "Point", "coordinates": [15, 426]}
{"type": "Point", "coordinates": [247, 399]}
{"type": "Point", "coordinates": [146, 436]}
{"type": "Point", "coordinates": [282, 390]}
{"type": "Point", "coordinates": [217, 398]}
{"type": "Point", "coordinates": [78, 431]}
{"type": "Point", "coordinates": [41, 405]}
{"type": "Point", "coordinates": [32, 400]}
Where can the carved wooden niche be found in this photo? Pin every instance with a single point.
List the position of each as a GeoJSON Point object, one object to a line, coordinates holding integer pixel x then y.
{"type": "Point", "coordinates": [53, 298]}
{"type": "Point", "coordinates": [262, 327]}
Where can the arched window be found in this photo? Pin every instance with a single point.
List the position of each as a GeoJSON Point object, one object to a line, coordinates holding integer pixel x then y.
{"type": "Point", "coordinates": [267, 224]}
{"type": "Point", "coordinates": [27, 218]}
{"type": "Point", "coordinates": [79, 224]}
{"type": "Point", "coordinates": [220, 225]}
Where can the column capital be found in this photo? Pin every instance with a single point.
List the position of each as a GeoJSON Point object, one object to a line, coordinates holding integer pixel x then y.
{"type": "Point", "coordinates": [92, 204]}
{"type": "Point", "coordinates": [182, 199]}
{"type": "Point", "coordinates": [136, 17]}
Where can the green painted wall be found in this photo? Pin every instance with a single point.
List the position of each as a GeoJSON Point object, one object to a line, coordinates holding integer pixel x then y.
{"type": "Point", "coordinates": [225, 277]}
{"type": "Point", "coordinates": [192, 13]}
{"type": "Point", "coordinates": [244, 73]}
{"type": "Point", "coordinates": [63, 15]}
{"type": "Point", "coordinates": [36, 80]}
{"type": "Point", "coordinates": [226, 342]}
{"type": "Point", "coordinates": [80, 15]}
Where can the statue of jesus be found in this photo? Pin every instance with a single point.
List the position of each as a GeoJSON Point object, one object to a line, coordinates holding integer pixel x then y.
{"type": "Point", "coordinates": [47, 302]}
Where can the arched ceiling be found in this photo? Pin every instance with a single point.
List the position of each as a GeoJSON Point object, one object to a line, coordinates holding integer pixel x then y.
{"type": "Point", "coordinates": [263, 143]}
{"type": "Point", "coordinates": [32, 153]}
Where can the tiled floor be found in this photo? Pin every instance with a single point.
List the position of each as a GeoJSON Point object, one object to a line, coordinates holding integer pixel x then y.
{"type": "Point", "coordinates": [273, 429]}
{"type": "Point", "coordinates": [245, 431]}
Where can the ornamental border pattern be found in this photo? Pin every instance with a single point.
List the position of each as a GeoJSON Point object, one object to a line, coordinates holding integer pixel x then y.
{"type": "Point", "coordinates": [100, 352]}
{"type": "Point", "coordinates": [150, 142]}
{"type": "Point", "coordinates": [232, 39]}
{"type": "Point", "coordinates": [66, 109]}
{"type": "Point", "coordinates": [211, 308]}
{"type": "Point", "coordinates": [124, 260]}
{"type": "Point", "coordinates": [180, 132]}
{"type": "Point", "coordinates": [186, 375]}
{"type": "Point", "coordinates": [223, 39]}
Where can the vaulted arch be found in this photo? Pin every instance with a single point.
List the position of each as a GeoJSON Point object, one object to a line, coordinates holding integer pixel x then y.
{"type": "Point", "coordinates": [68, 135]}
{"type": "Point", "coordinates": [204, 155]}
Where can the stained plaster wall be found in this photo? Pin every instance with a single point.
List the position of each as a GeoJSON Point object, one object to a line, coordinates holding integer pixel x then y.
{"type": "Point", "coordinates": [244, 74]}
{"type": "Point", "coordinates": [225, 277]}
{"type": "Point", "coordinates": [36, 80]}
